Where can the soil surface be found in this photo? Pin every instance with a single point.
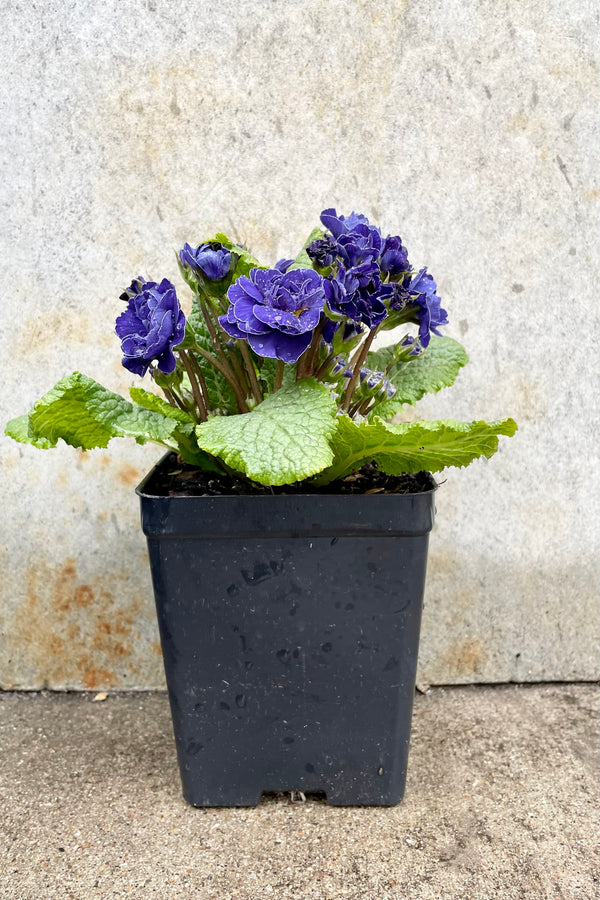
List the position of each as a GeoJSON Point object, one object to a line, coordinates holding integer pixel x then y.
{"type": "Point", "coordinates": [174, 478]}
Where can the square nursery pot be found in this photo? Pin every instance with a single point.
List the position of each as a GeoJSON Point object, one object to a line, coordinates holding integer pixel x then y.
{"type": "Point", "coordinates": [290, 631]}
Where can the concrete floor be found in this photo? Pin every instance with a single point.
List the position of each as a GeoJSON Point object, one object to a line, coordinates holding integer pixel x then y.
{"type": "Point", "coordinates": [502, 802]}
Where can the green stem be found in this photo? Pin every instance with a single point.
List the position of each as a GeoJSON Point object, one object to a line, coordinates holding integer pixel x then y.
{"type": "Point", "coordinates": [240, 374]}
{"type": "Point", "coordinates": [278, 376]}
{"type": "Point", "coordinates": [225, 364]}
{"type": "Point", "coordinates": [313, 350]}
{"type": "Point", "coordinates": [227, 374]}
{"type": "Point", "coordinates": [180, 402]}
{"type": "Point", "coordinates": [201, 381]}
{"type": "Point", "coordinates": [169, 397]}
{"type": "Point", "coordinates": [365, 406]}
{"type": "Point", "coordinates": [324, 366]}
{"type": "Point", "coordinates": [360, 358]}
{"type": "Point", "coordinates": [256, 392]}
{"type": "Point", "coordinates": [183, 356]}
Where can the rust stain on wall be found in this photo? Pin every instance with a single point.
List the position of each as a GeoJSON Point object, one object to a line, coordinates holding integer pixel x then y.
{"type": "Point", "coordinates": [74, 631]}
{"type": "Point", "coordinates": [129, 475]}
{"type": "Point", "coordinates": [465, 657]}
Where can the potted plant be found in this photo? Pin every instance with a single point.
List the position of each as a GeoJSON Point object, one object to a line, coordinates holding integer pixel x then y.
{"type": "Point", "coordinates": [288, 523]}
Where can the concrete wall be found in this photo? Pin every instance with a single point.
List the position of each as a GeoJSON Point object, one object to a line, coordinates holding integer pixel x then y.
{"type": "Point", "coordinates": [469, 128]}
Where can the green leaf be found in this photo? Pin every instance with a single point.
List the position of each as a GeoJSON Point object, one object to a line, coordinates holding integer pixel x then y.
{"type": "Point", "coordinates": [411, 446]}
{"type": "Point", "coordinates": [85, 414]}
{"type": "Point", "coordinates": [151, 401]}
{"type": "Point", "coordinates": [184, 434]}
{"type": "Point", "coordinates": [246, 260]}
{"type": "Point", "coordinates": [303, 260]}
{"type": "Point", "coordinates": [187, 447]}
{"type": "Point", "coordinates": [284, 439]}
{"type": "Point", "coordinates": [435, 369]}
{"type": "Point", "coordinates": [20, 430]}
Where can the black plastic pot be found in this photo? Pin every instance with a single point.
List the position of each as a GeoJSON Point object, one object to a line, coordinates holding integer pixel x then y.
{"type": "Point", "coordinates": [290, 630]}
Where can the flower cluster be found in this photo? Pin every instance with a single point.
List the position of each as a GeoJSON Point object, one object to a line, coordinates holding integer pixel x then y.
{"type": "Point", "coordinates": [274, 377]}
{"type": "Point", "coordinates": [369, 277]}
{"type": "Point", "coordinates": [322, 319]}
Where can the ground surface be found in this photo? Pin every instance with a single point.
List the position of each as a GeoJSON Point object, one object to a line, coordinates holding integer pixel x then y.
{"type": "Point", "coordinates": [502, 802]}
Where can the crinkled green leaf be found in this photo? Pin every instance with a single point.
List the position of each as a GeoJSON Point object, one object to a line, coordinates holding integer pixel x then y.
{"type": "Point", "coordinates": [284, 439]}
{"type": "Point", "coordinates": [411, 446]}
{"type": "Point", "coordinates": [20, 430]}
{"type": "Point", "coordinates": [151, 401]}
{"type": "Point", "coordinates": [184, 434]}
{"type": "Point", "coordinates": [435, 369]}
{"type": "Point", "coordinates": [187, 447]}
{"type": "Point", "coordinates": [85, 414]}
{"type": "Point", "coordinates": [303, 260]}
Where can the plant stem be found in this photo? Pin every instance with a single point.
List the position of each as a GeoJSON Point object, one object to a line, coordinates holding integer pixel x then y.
{"type": "Point", "coordinates": [228, 375]}
{"type": "Point", "coordinates": [256, 392]}
{"type": "Point", "coordinates": [313, 351]}
{"type": "Point", "coordinates": [169, 396]}
{"type": "Point", "coordinates": [278, 376]}
{"type": "Point", "coordinates": [324, 366]}
{"type": "Point", "coordinates": [360, 358]}
{"type": "Point", "coordinates": [179, 402]}
{"type": "Point", "coordinates": [361, 407]}
{"type": "Point", "coordinates": [365, 406]}
{"type": "Point", "coordinates": [195, 386]}
{"type": "Point", "coordinates": [240, 374]}
{"type": "Point", "coordinates": [201, 381]}
{"type": "Point", "coordinates": [224, 367]}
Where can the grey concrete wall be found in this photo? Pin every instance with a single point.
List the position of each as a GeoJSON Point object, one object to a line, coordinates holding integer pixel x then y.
{"type": "Point", "coordinates": [469, 128]}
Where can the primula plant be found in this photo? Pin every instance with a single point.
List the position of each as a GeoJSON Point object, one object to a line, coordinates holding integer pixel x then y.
{"type": "Point", "coordinates": [273, 376]}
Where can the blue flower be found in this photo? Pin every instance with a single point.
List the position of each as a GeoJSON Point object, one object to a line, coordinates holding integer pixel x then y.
{"type": "Point", "coordinates": [339, 225]}
{"type": "Point", "coordinates": [283, 264]}
{"type": "Point", "coordinates": [396, 295]}
{"type": "Point", "coordinates": [340, 365]}
{"type": "Point", "coordinates": [431, 315]}
{"type": "Point", "coordinates": [361, 245]}
{"type": "Point", "coordinates": [275, 312]}
{"type": "Point", "coordinates": [355, 294]}
{"type": "Point", "coordinates": [394, 258]}
{"type": "Point", "coordinates": [211, 260]}
{"type": "Point", "coordinates": [350, 330]}
{"type": "Point", "coordinates": [323, 252]}
{"type": "Point", "coordinates": [151, 326]}
{"type": "Point", "coordinates": [411, 348]}
{"type": "Point", "coordinates": [354, 241]}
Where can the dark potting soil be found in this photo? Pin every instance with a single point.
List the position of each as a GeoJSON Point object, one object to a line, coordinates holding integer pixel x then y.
{"type": "Point", "coordinates": [173, 478]}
